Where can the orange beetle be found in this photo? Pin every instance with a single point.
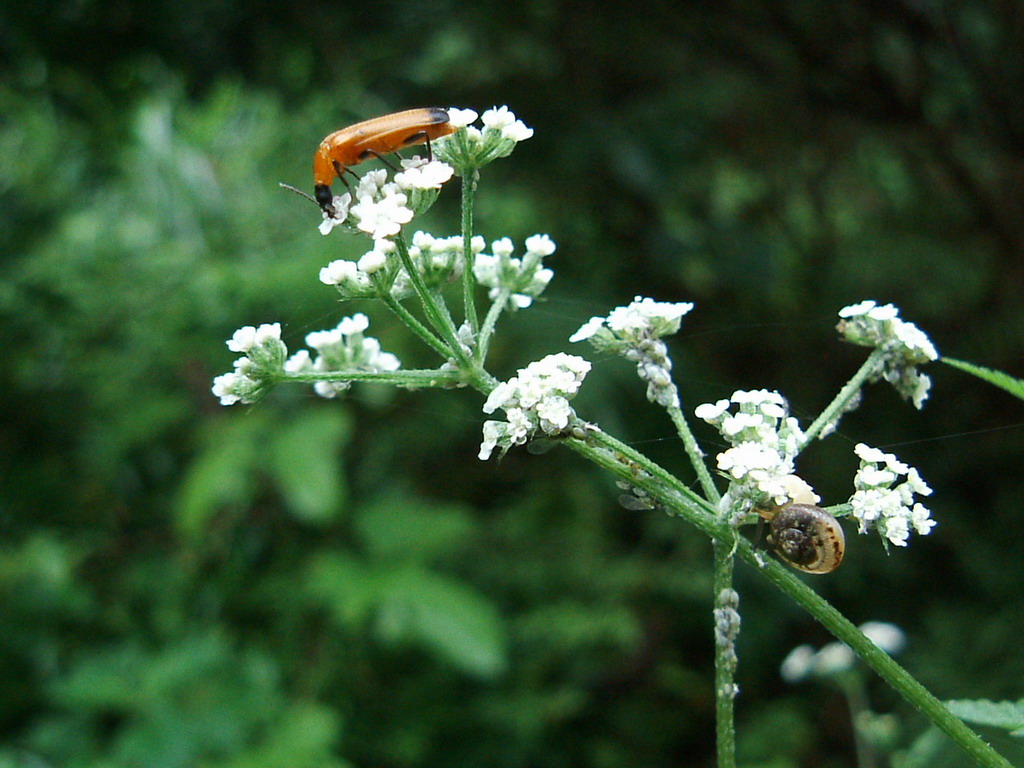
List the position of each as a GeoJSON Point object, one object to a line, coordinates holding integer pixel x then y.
{"type": "Point", "coordinates": [372, 138]}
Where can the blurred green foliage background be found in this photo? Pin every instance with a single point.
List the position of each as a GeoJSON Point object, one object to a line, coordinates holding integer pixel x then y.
{"type": "Point", "coordinates": [311, 583]}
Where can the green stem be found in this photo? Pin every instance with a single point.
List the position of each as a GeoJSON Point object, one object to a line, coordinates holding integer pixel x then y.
{"type": "Point", "coordinates": [439, 319]}
{"type": "Point", "coordinates": [415, 377]}
{"type": "Point", "coordinates": [696, 511]}
{"type": "Point", "coordinates": [852, 686]}
{"type": "Point", "coordinates": [468, 285]}
{"type": "Point", "coordinates": [694, 452]}
{"type": "Point", "coordinates": [830, 416]}
{"type": "Point", "coordinates": [490, 321]}
{"type": "Point", "coordinates": [880, 661]}
{"type": "Point", "coordinates": [428, 336]}
{"type": "Point", "coordinates": [725, 660]}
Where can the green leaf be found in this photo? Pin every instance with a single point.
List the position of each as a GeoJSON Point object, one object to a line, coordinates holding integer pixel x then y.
{"type": "Point", "coordinates": [456, 622]}
{"type": "Point", "coordinates": [996, 378]}
{"type": "Point", "coordinates": [412, 605]}
{"type": "Point", "coordinates": [221, 475]}
{"type": "Point", "coordinates": [305, 463]}
{"type": "Point", "coordinates": [302, 737]}
{"type": "Point", "coordinates": [348, 588]}
{"type": "Point", "coordinates": [402, 526]}
{"type": "Point", "coordinates": [925, 751]}
{"type": "Point", "coordinates": [1008, 715]}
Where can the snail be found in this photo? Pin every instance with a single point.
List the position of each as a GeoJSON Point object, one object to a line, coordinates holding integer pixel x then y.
{"type": "Point", "coordinates": [806, 537]}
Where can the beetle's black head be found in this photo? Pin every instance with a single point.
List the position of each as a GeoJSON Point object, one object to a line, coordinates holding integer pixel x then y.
{"type": "Point", "coordinates": [324, 197]}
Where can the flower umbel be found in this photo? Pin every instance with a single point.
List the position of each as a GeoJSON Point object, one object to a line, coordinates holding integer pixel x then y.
{"type": "Point", "coordinates": [634, 331]}
{"type": "Point", "coordinates": [905, 345]}
{"type": "Point", "coordinates": [255, 373]}
{"type": "Point", "coordinates": [521, 279]}
{"type": "Point", "coordinates": [382, 207]}
{"type": "Point", "coordinates": [884, 496]}
{"type": "Point", "coordinates": [836, 658]}
{"type": "Point", "coordinates": [535, 401]}
{"type": "Point", "coordinates": [339, 350]}
{"type": "Point", "coordinates": [470, 149]}
{"type": "Point", "coordinates": [765, 441]}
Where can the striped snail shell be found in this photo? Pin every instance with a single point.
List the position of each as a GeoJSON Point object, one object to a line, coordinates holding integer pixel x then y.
{"type": "Point", "coordinates": [807, 538]}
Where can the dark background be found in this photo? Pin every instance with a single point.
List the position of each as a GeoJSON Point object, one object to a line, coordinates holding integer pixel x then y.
{"type": "Point", "coordinates": [311, 583]}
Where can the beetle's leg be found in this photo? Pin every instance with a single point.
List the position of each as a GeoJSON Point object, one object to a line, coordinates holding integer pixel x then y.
{"type": "Point", "coordinates": [379, 156]}
{"type": "Point", "coordinates": [340, 172]}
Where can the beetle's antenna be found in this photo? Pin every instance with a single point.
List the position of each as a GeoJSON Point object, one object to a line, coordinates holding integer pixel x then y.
{"type": "Point", "coordinates": [299, 192]}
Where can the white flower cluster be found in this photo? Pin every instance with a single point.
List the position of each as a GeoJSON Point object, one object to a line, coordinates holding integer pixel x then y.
{"type": "Point", "coordinates": [379, 271]}
{"type": "Point", "coordinates": [883, 502]}
{"type": "Point", "coordinates": [264, 355]}
{"type": "Point", "coordinates": [472, 148]}
{"type": "Point", "coordinates": [906, 346]}
{"type": "Point", "coordinates": [524, 279]}
{"type": "Point", "coordinates": [635, 332]}
{"type": "Point", "coordinates": [765, 441]}
{"type": "Point", "coordinates": [438, 260]}
{"type": "Point", "coordinates": [341, 349]}
{"type": "Point", "coordinates": [382, 207]}
{"type": "Point", "coordinates": [837, 658]}
{"type": "Point", "coordinates": [535, 400]}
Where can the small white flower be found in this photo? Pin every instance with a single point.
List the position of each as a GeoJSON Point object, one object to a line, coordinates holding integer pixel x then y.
{"type": "Point", "coordinates": [384, 218]}
{"type": "Point", "coordinates": [886, 636]}
{"type": "Point", "coordinates": [338, 214]}
{"type": "Point", "coordinates": [867, 453]}
{"type": "Point", "coordinates": [798, 664]}
{"type": "Point", "coordinates": [920, 518]}
{"type": "Point", "coordinates": [372, 184]}
{"type": "Point", "coordinates": [833, 659]}
{"type": "Point", "coordinates": [517, 131]}
{"type": "Point", "coordinates": [375, 260]}
{"type": "Point", "coordinates": [554, 413]}
{"type": "Point", "coordinates": [736, 423]}
{"type": "Point", "coordinates": [338, 272]}
{"type": "Point", "coordinates": [242, 339]}
{"type": "Point", "coordinates": [355, 324]}
{"type": "Point", "coordinates": [430, 175]}
{"type": "Point", "coordinates": [712, 412]}
{"type": "Point", "coordinates": [498, 117]}
{"type": "Point", "coordinates": [299, 362]}
{"type": "Point", "coordinates": [588, 329]}
{"type": "Point", "coordinates": [460, 118]}
{"type": "Point", "coordinates": [503, 247]}
{"type": "Point", "coordinates": [493, 432]}
{"type": "Point", "coordinates": [231, 388]}
{"type": "Point", "coordinates": [542, 245]}
{"type": "Point", "coordinates": [247, 337]}
{"type": "Point", "coordinates": [519, 424]}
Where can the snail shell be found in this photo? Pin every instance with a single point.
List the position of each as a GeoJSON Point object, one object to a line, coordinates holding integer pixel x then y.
{"type": "Point", "coordinates": [807, 538]}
